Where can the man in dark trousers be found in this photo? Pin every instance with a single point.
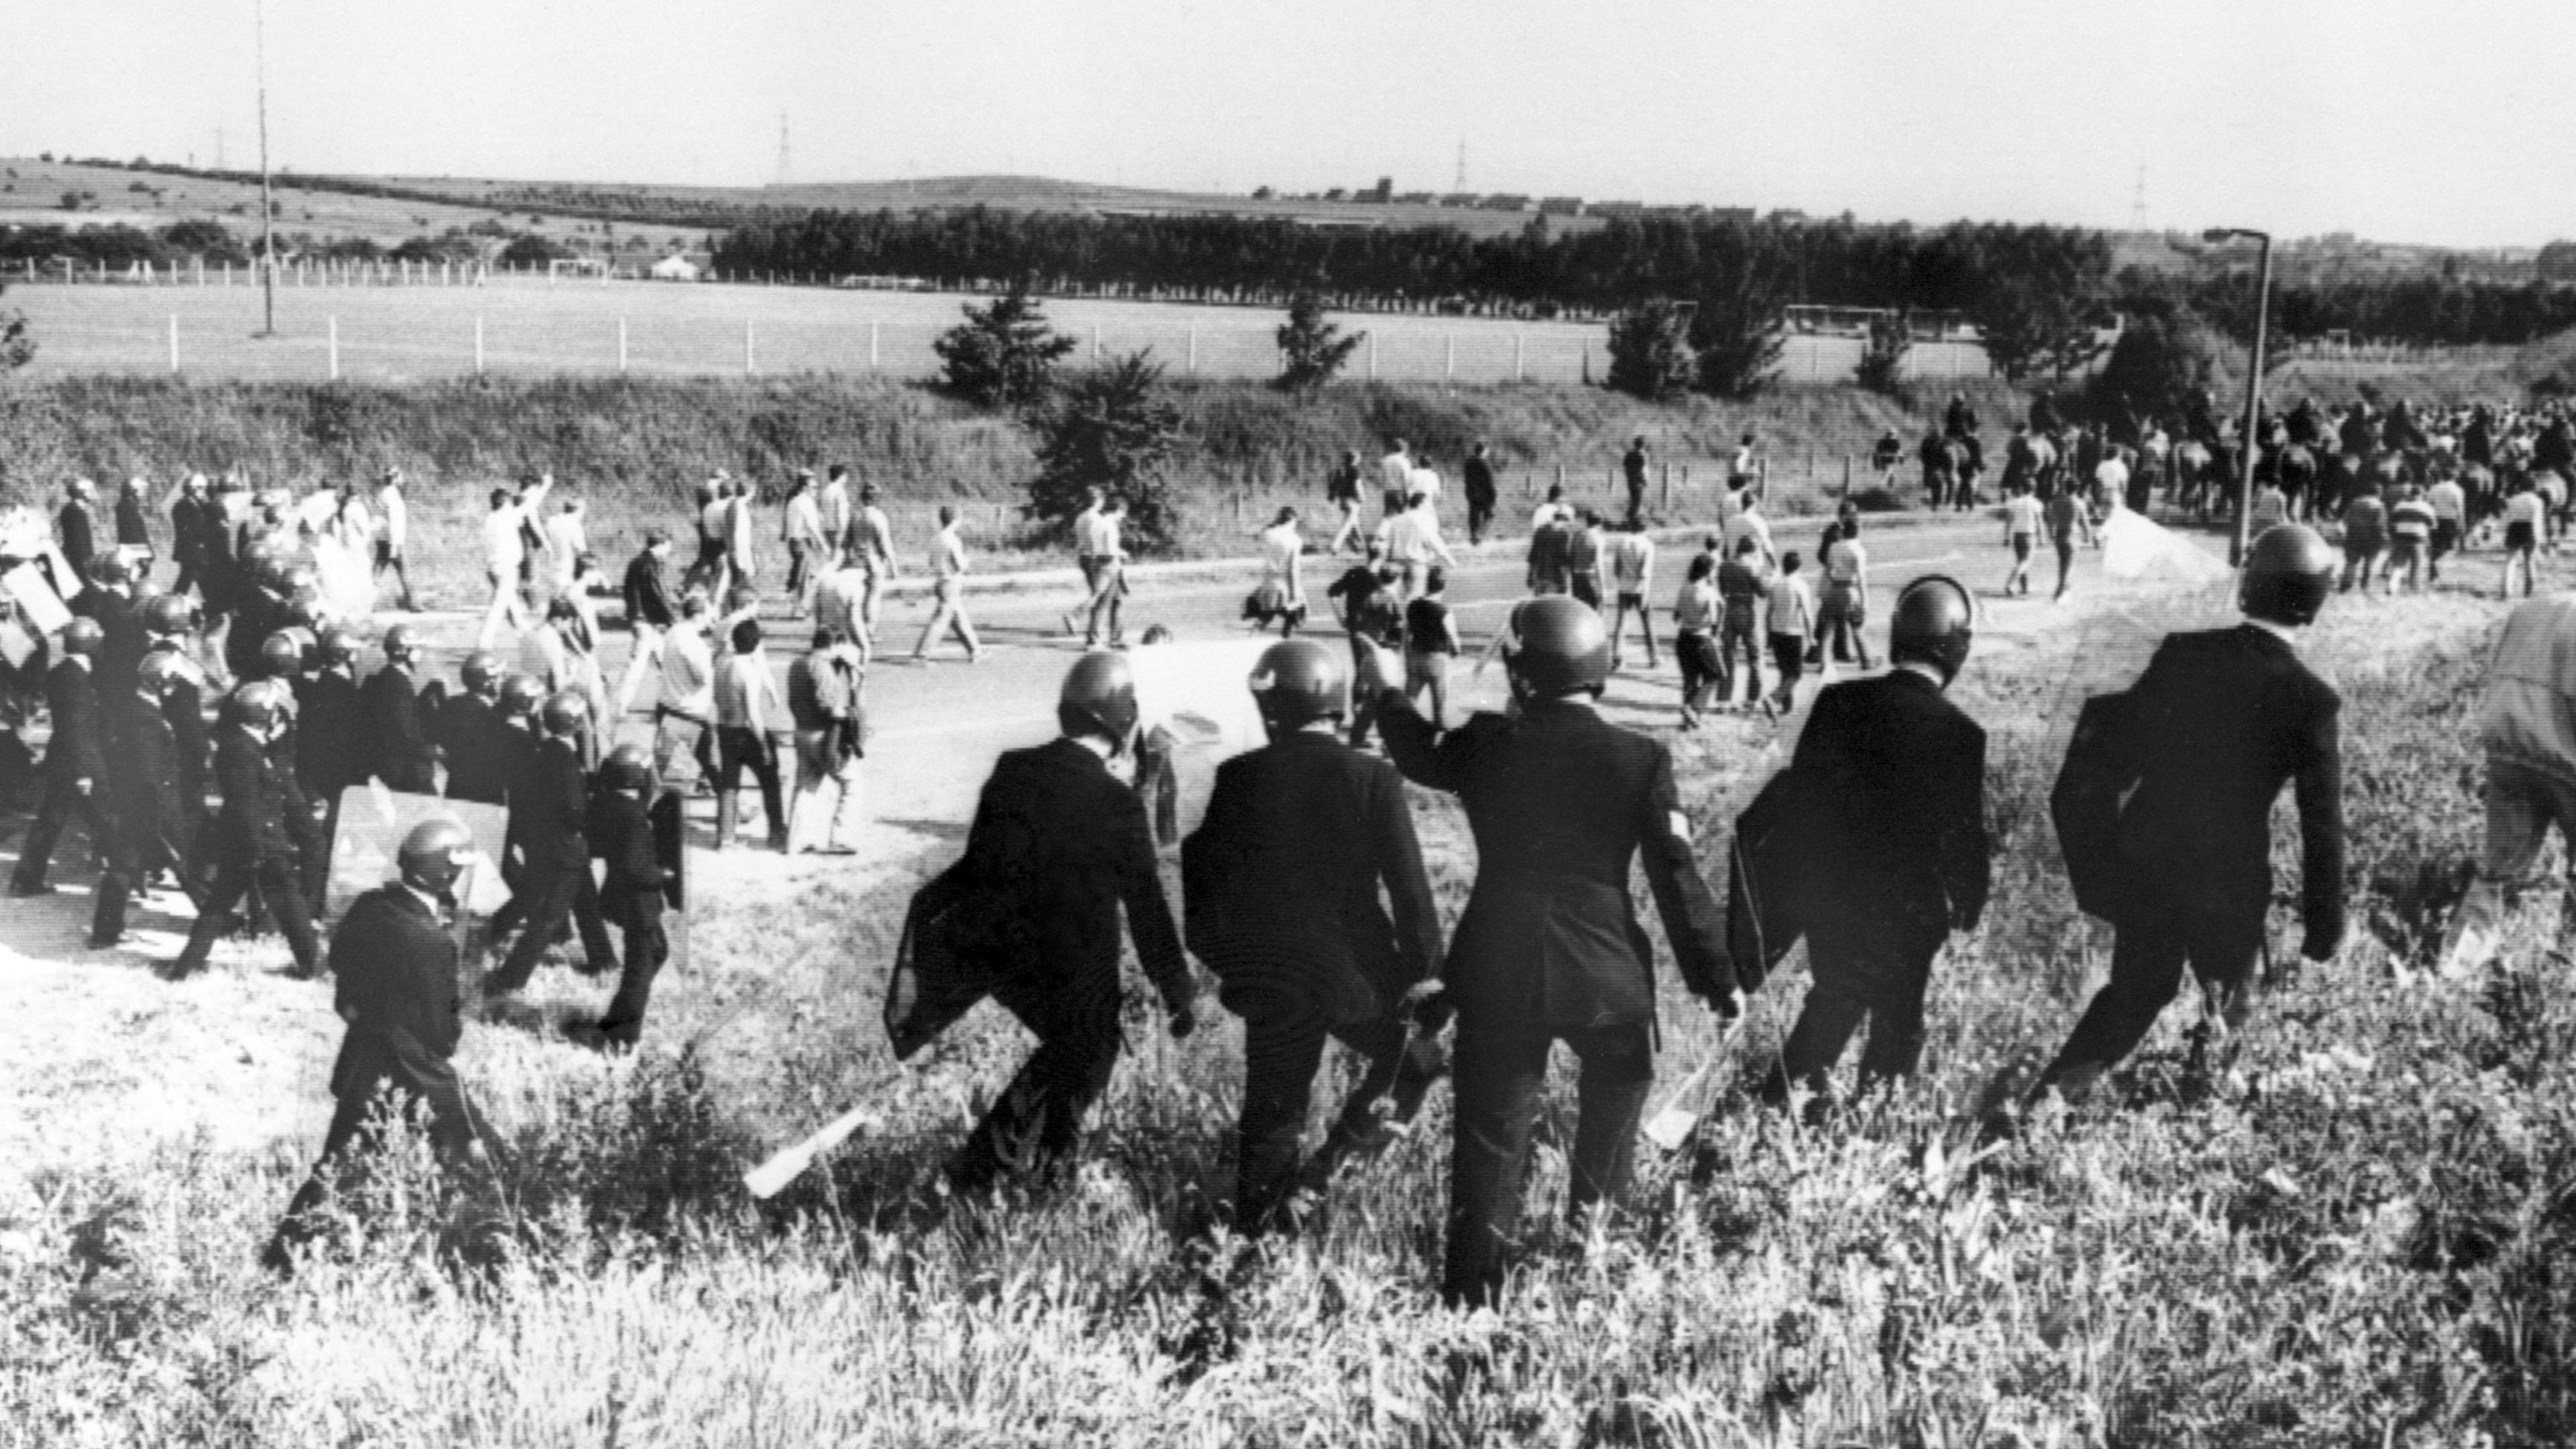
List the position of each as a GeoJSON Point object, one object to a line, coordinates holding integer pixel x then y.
{"type": "Point", "coordinates": [1561, 802]}
{"type": "Point", "coordinates": [1058, 846]}
{"type": "Point", "coordinates": [2218, 723]}
{"type": "Point", "coordinates": [393, 964]}
{"type": "Point", "coordinates": [75, 758]}
{"type": "Point", "coordinates": [122, 638]}
{"type": "Point", "coordinates": [147, 823]}
{"type": "Point", "coordinates": [514, 748]}
{"type": "Point", "coordinates": [552, 815]}
{"type": "Point", "coordinates": [170, 622]}
{"type": "Point", "coordinates": [330, 741]}
{"type": "Point", "coordinates": [78, 525]}
{"type": "Point", "coordinates": [1632, 468]}
{"type": "Point", "coordinates": [252, 842]}
{"type": "Point", "coordinates": [621, 835]}
{"type": "Point", "coordinates": [1280, 885]}
{"type": "Point", "coordinates": [1903, 774]}
{"type": "Point", "coordinates": [1481, 494]}
{"type": "Point", "coordinates": [480, 759]}
{"type": "Point", "coordinates": [400, 751]}
{"type": "Point", "coordinates": [283, 661]}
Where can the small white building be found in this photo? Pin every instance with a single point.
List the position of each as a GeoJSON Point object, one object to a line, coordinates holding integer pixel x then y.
{"type": "Point", "coordinates": [675, 268]}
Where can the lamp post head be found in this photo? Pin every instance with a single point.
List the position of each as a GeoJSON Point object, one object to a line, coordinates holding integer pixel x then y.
{"type": "Point", "coordinates": [2218, 234]}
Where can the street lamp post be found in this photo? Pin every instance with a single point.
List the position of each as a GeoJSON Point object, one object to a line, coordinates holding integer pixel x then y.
{"type": "Point", "coordinates": [2253, 382]}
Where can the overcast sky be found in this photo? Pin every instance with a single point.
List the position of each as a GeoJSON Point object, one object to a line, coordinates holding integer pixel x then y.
{"type": "Point", "coordinates": [2400, 121]}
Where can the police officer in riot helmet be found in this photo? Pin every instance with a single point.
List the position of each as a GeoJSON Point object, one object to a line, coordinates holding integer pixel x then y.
{"type": "Point", "coordinates": [1280, 889]}
{"type": "Point", "coordinates": [1549, 949]}
{"type": "Point", "coordinates": [253, 841]}
{"type": "Point", "coordinates": [1058, 847]}
{"type": "Point", "coordinates": [552, 814]}
{"type": "Point", "coordinates": [75, 765]}
{"type": "Point", "coordinates": [1896, 855]}
{"type": "Point", "coordinates": [2220, 721]}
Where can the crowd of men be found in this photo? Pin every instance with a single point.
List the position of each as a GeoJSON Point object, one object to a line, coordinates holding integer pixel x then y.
{"type": "Point", "coordinates": [1304, 888]}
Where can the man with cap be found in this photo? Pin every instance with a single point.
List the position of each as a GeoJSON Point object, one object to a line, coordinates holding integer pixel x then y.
{"type": "Point", "coordinates": [253, 846]}
{"type": "Point", "coordinates": [1280, 889]}
{"type": "Point", "coordinates": [399, 749]}
{"type": "Point", "coordinates": [2220, 721]}
{"type": "Point", "coordinates": [394, 982]}
{"type": "Point", "coordinates": [1901, 777]}
{"type": "Point", "coordinates": [621, 835]}
{"type": "Point", "coordinates": [552, 815]}
{"type": "Point", "coordinates": [1058, 847]}
{"type": "Point", "coordinates": [1549, 949]}
{"type": "Point", "coordinates": [75, 758]}
{"type": "Point", "coordinates": [147, 824]}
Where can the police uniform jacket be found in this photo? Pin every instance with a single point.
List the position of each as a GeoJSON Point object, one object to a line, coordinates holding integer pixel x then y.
{"type": "Point", "coordinates": [183, 704]}
{"type": "Point", "coordinates": [1561, 803]}
{"type": "Point", "coordinates": [395, 984]}
{"type": "Point", "coordinates": [144, 787]}
{"type": "Point", "coordinates": [77, 749]}
{"type": "Point", "coordinates": [550, 812]}
{"type": "Point", "coordinates": [123, 637]}
{"type": "Point", "coordinates": [1907, 776]}
{"type": "Point", "coordinates": [2218, 723]}
{"type": "Point", "coordinates": [1058, 845]}
{"type": "Point", "coordinates": [252, 828]}
{"type": "Point", "coordinates": [397, 734]}
{"type": "Point", "coordinates": [1280, 883]}
{"type": "Point", "coordinates": [479, 761]}
{"type": "Point", "coordinates": [331, 739]}
{"type": "Point", "coordinates": [621, 834]}
{"type": "Point", "coordinates": [80, 536]}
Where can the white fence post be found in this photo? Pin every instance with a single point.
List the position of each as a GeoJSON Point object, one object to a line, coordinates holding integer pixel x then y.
{"type": "Point", "coordinates": [872, 346]}
{"type": "Point", "coordinates": [174, 342]}
{"type": "Point", "coordinates": [1449, 370]}
{"type": "Point", "coordinates": [750, 353]}
{"type": "Point", "coordinates": [1372, 337]}
{"type": "Point", "coordinates": [621, 344]}
{"type": "Point", "coordinates": [335, 349]}
{"type": "Point", "coordinates": [1194, 349]}
{"type": "Point", "coordinates": [1520, 351]}
{"type": "Point", "coordinates": [478, 345]}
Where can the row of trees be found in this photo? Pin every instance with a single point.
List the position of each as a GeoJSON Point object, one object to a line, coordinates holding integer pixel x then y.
{"type": "Point", "coordinates": [214, 244]}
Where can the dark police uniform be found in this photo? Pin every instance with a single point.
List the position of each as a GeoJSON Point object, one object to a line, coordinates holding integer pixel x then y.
{"type": "Point", "coordinates": [1549, 948]}
{"type": "Point", "coordinates": [1280, 885]}
{"type": "Point", "coordinates": [395, 984]}
{"type": "Point", "coordinates": [253, 846]}
{"type": "Point", "coordinates": [1903, 775]}
{"type": "Point", "coordinates": [480, 756]}
{"type": "Point", "coordinates": [76, 756]}
{"type": "Point", "coordinates": [183, 704]}
{"type": "Point", "coordinates": [1058, 845]}
{"type": "Point", "coordinates": [122, 641]}
{"type": "Point", "coordinates": [399, 751]}
{"type": "Point", "coordinates": [630, 898]}
{"type": "Point", "coordinates": [2218, 723]}
{"type": "Point", "coordinates": [555, 881]}
{"type": "Point", "coordinates": [149, 825]}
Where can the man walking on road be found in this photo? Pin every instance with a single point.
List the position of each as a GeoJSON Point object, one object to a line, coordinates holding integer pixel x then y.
{"type": "Point", "coordinates": [1481, 494]}
{"type": "Point", "coordinates": [1104, 567]}
{"type": "Point", "coordinates": [647, 593]}
{"type": "Point", "coordinates": [1280, 887]}
{"type": "Point", "coordinates": [1395, 480]}
{"type": "Point", "coordinates": [1632, 466]}
{"type": "Point", "coordinates": [872, 540]}
{"type": "Point", "coordinates": [393, 535]}
{"type": "Point", "coordinates": [1632, 574]}
{"type": "Point", "coordinates": [823, 700]}
{"type": "Point", "coordinates": [2528, 724]}
{"type": "Point", "coordinates": [75, 759]}
{"type": "Point", "coordinates": [1561, 803]}
{"type": "Point", "coordinates": [948, 592]}
{"type": "Point", "coordinates": [253, 845]}
{"type": "Point", "coordinates": [505, 548]}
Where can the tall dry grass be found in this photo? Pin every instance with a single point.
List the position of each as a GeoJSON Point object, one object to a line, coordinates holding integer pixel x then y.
{"type": "Point", "coordinates": [2358, 1235]}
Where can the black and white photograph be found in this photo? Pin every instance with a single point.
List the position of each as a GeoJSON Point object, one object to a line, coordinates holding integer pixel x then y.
{"type": "Point", "coordinates": [1139, 723]}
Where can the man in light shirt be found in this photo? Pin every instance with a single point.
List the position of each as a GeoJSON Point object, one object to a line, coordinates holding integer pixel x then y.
{"type": "Point", "coordinates": [1103, 558]}
{"type": "Point", "coordinates": [840, 604]}
{"type": "Point", "coordinates": [738, 538]}
{"type": "Point", "coordinates": [1632, 573]}
{"type": "Point", "coordinates": [2111, 480]}
{"type": "Point", "coordinates": [1425, 480]}
{"type": "Point", "coordinates": [2528, 724]}
{"type": "Point", "coordinates": [1413, 545]}
{"type": "Point", "coordinates": [684, 717]}
{"type": "Point", "coordinates": [393, 533]}
{"type": "Point", "coordinates": [948, 573]}
{"type": "Point", "coordinates": [567, 539]}
{"type": "Point", "coordinates": [1791, 620]}
{"type": "Point", "coordinates": [1395, 480]}
{"type": "Point", "coordinates": [505, 548]}
{"type": "Point", "coordinates": [1745, 521]}
{"type": "Point", "coordinates": [832, 506]}
{"type": "Point", "coordinates": [807, 548]}
{"type": "Point", "coordinates": [2450, 505]}
{"type": "Point", "coordinates": [2021, 535]}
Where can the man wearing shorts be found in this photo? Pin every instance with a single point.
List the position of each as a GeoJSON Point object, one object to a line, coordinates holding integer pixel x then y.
{"type": "Point", "coordinates": [1846, 603]}
{"type": "Point", "coordinates": [1583, 559]}
{"type": "Point", "coordinates": [2365, 537]}
{"type": "Point", "coordinates": [2410, 525]}
{"type": "Point", "coordinates": [1792, 611]}
{"type": "Point", "coordinates": [2450, 505]}
{"type": "Point", "coordinates": [2021, 535]}
{"type": "Point", "coordinates": [1632, 573]}
{"type": "Point", "coordinates": [2523, 526]}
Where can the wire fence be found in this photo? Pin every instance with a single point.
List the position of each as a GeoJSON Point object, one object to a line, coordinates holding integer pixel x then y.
{"type": "Point", "coordinates": [391, 322]}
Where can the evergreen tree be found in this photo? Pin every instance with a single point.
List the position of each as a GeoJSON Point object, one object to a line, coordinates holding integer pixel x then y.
{"type": "Point", "coordinates": [1003, 355]}
{"type": "Point", "coordinates": [1109, 427]}
{"type": "Point", "coordinates": [1650, 353]}
{"type": "Point", "coordinates": [1311, 349]}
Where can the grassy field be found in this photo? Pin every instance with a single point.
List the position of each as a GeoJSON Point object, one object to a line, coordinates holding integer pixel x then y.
{"type": "Point", "coordinates": [2358, 1235]}
{"type": "Point", "coordinates": [634, 447]}
{"type": "Point", "coordinates": [532, 326]}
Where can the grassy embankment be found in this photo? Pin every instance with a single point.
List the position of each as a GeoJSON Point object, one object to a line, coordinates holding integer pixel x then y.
{"type": "Point", "coordinates": [2359, 1237]}
{"type": "Point", "coordinates": [636, 448]}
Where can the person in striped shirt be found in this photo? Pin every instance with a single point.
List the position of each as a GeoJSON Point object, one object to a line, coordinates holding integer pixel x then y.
{"type": "Point", "coordinates": [2410, 528]}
